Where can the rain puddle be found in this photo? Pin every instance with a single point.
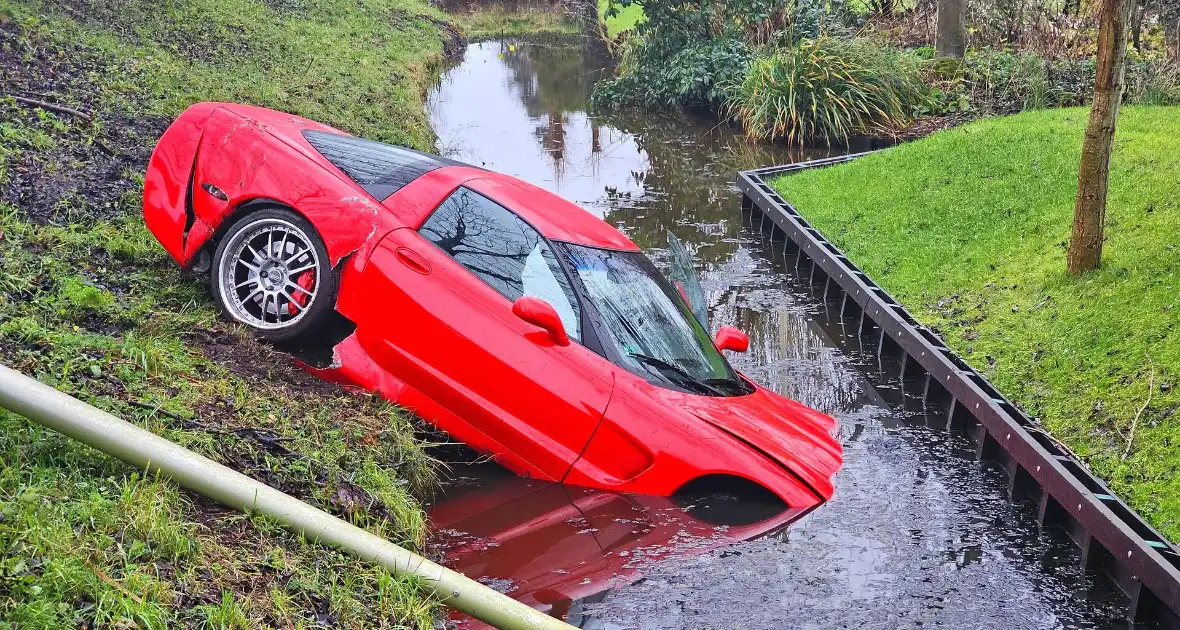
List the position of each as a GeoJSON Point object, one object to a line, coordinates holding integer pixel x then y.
{"type": "Point", "coordinates": [918, 535]}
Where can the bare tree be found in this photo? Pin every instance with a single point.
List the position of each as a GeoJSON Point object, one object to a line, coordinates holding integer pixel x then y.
{"type": "Point", "coordinates": [1085, 244]}
{"type": "Point", "coordinates": [1170, 16]}
{"type": "Point", "coordinates": [950, 38]}
{"type": "Point", "coordinates": [1138, 14]}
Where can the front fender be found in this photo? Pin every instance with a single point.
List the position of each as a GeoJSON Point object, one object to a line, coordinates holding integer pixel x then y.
{"type": "Point", "coordinates": [646, 446]}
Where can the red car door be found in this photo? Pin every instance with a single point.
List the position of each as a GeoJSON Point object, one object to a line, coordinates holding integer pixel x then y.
{"type": "Point", "coordinates": [442, 322]}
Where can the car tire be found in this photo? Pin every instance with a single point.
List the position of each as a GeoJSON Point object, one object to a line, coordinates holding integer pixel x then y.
{"type": "Point", "coordinates": [271, 272]}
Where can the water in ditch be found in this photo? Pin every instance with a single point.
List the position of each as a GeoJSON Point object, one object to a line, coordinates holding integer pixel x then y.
{"type": "Point", "coordinates": [918, 535]}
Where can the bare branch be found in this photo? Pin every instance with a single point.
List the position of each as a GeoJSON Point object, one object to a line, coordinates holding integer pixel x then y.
{"type": "Point", "coordinates": [1150, 392]}
{"type": "Point", "coordinates": [61, 109]}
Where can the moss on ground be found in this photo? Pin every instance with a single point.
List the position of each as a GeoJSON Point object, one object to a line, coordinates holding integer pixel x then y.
{"type": "Point", "coordinates": [968, 228]}
{"type": "Point", "coordinates": [90, 304]}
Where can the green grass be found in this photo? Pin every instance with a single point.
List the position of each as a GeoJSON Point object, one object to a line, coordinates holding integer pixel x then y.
{"type": "Point", "coordinates": [628, 18]}
{"type": "Point", "coordinates": [494, 20]}
{"type": "Point", "coordinates": [363, 67]}
{"type": "Point", "coordinates": [90, 304]}
{"type": "Point", "coordinates": [968, 228]}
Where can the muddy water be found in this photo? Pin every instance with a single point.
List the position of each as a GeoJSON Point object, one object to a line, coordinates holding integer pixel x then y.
{"type": "Point", "coordinates": [918, 535]}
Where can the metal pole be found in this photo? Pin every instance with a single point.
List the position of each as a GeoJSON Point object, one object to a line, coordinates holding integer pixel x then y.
{"type": "Point", "coordinates": [145, 450]}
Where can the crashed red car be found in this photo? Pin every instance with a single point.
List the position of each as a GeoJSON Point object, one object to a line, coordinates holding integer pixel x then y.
{"type": "Point", "coordinates": [510, 318]}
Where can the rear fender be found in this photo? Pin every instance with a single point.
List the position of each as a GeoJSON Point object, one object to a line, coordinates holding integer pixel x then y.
{"type": "Point", "coordinates": [239, 166]}
{"type": "Point", "coordinates": [167, 204]}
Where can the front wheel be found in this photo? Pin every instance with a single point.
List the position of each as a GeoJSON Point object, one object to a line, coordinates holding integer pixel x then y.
{"type": "Point", "coordinates": [271, 272]}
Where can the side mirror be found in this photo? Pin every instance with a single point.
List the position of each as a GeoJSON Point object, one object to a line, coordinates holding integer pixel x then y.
{"type": "Point", "coordinates": [540, 313]}
{"type": "Point", "coordinates": [730, 338]}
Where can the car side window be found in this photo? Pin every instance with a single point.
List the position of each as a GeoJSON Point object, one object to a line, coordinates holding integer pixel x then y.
{"type": "Point", "coordinates": [504, 251]}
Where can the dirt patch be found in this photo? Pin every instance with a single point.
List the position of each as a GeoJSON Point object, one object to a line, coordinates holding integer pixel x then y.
{"type": "Point", "coordinates": [454, 43]}
{"type": "Point", "coordinates": [254, 361]}
{"type": "Point", "coordinates": [287, 6]}
{"type": "Point", "coordinates": [190, 35]}
{"type": "Point", "coordinates": [91, 163]}
{"type": "Point", "coordinates": [231, 531]}
{"type": "Point", "coordinates": [923, 127]}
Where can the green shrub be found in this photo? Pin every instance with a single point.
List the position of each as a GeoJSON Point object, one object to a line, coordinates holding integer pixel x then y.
{"type": "Point", "coordinates": [925, 53]}
{"type": "Point", "coordinates": [1001, 82]}
{"type": "Point", "coordinates": [827, 89]}
{"type": "Point", "coordinates": [687, 51]}
{"type": "Point", "coordinates": [694, 76]}
{"type": "Point", "coordinates": [1151, 82]}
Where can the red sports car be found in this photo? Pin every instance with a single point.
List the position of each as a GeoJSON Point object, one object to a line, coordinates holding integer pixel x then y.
{"type": "Point", "coordinates": [512, 319]}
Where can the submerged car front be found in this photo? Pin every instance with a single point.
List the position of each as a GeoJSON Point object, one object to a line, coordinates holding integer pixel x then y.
{"type": "Point", "coordinates": [680, 414]}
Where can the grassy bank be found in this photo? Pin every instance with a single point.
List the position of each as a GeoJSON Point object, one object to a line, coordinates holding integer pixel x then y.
{"type": "Point", "coordinates": [968, 229]}
{"type": "Point", "coordinates": [490, 20]}
{"type": "Point", "coordinates": [90, 304]}
{"type": "Point", "coordinates": [626, 18]}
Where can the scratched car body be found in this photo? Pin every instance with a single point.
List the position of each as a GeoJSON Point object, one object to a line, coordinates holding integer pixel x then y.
{"type": "Point", "coordinates": [511, 319]}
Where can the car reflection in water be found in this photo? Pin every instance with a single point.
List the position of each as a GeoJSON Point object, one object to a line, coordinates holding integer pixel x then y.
{"type": "Point", "coordinates": [552, 546]}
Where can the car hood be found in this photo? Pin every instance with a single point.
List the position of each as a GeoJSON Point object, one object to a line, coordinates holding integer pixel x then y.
{"type": "Point", "coordinates": [792, 435]}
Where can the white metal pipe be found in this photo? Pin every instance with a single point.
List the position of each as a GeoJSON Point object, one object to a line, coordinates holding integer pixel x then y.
{"type": "Point", "coordinates": [145, 450]}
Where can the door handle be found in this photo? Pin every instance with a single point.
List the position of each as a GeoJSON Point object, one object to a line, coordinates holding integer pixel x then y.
{"type": "Point", "coordinates": [412, 259]}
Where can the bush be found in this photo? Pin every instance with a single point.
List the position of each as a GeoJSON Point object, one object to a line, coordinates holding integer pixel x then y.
{"type": "Point", "coordinates": [1006, 83]}
{"type": "Point", "coordinates": [827, 89]}
{"type": "Point", "coordinates": [1152, 82]}
{"type": "Point", "coordinates": [694, 76]}
{"type": "Point", "coordinates": [687, 51]}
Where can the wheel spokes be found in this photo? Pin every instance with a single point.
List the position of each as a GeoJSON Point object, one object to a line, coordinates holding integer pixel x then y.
{"type": "Point", "coordinates": [261, 275]}
{"type": "Point", "coordinates": [283, 244]}
{"type": "Point", "coordinates": [291, 300]}
{"type": "Point", "coordinates": [251, 295]}
{"type": "Point", "coordinates": [258, 258]}
{"type": "Point", "coordinates": [309, 293]}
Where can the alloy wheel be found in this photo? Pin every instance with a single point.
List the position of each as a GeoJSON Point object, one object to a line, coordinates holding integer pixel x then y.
{"type": "Point", "coordinates": [268, 274]}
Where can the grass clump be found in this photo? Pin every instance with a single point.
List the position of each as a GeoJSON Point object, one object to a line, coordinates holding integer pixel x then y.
{"type": "Point", "coordinates": [485, 21]}
{"type": "Point", "coordinates": [969, 227]}
{"type": "Point", "coordinates": [90, 304]}
{"type": "Point", "coordinates": [826, 89]}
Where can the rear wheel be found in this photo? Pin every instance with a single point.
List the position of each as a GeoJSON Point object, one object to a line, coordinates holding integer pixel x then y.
{"type": "Point", "coordinates": [271, 273]}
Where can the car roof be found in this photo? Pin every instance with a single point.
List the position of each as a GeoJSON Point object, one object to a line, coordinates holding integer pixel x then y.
{"type": "Point", "coordinates": [554, 217]}
{"type": "Point", "coordinates": [381, 169]}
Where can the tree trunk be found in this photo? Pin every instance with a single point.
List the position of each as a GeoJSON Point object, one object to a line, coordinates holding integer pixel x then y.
{"type": "Point", "coordinates": [1170, 16]}
{"type": "Point", "coordinates": [1085, 244]}
{"type": "Point", "coordinates": [950, 39]}
{"type": "Point", "coordinates": [1138, 12]}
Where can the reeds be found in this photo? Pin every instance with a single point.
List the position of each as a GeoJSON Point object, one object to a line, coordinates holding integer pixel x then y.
{"type": "Point", "coordinates": [827, 89]}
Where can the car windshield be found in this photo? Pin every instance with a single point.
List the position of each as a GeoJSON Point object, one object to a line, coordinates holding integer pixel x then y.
{"type": "Point", "coordinates": [653, 330]}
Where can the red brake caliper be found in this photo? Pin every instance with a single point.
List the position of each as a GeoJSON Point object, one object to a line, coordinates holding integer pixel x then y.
{"type": "Point", "coordinates": [306, 281]}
